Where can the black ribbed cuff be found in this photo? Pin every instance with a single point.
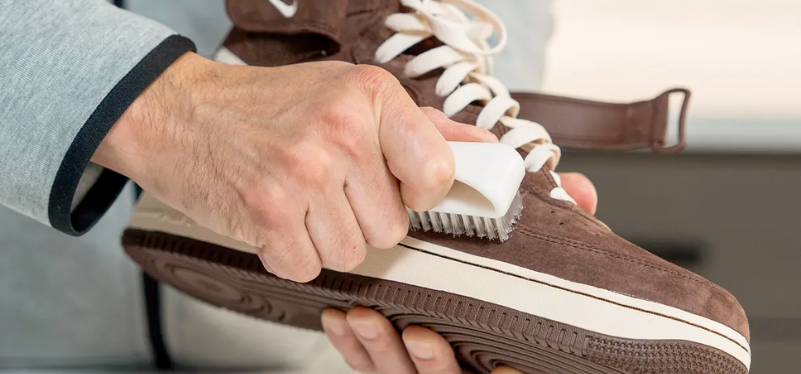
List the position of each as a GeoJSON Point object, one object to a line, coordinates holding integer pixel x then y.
{"type": "Point", "coordinates": [108, 186]}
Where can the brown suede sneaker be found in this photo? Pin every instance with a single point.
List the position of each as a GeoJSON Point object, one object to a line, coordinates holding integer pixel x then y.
{"type": "Point", "coordinates": [563, 295]}
{"type": "Point", "coordinates": [366, 32]}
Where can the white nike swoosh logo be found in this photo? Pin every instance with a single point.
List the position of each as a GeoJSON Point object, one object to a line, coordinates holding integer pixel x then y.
{"type": "Point", "coordinates": [286, 10]}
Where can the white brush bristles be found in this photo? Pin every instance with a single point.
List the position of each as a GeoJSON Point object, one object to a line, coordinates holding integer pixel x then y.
{"type": "Point", "coordinates": [458, 224]}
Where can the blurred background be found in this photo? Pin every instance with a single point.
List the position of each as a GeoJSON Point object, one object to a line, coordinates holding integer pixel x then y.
{"type": "Point", "coordinates": [727, 207]}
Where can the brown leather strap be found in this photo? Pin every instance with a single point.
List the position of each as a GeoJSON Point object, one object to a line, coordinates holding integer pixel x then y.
{"type": "Point", "coordinates": [584, 124]}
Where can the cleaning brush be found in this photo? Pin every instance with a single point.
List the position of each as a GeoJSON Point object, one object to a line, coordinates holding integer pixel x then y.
{"type": "Point", "coordinates": [484, 200]}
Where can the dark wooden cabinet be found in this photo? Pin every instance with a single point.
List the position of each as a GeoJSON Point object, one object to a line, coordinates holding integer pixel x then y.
{"type": "Point", "coordinates": [735, 219]}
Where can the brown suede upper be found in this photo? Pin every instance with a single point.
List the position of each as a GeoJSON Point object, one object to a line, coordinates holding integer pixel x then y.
{"type": "Point", "coordinates": [276, 41]}
{"type": "Point", "coordinates": [559, 239]}
{"type": "Point", "coordinates": [552, 236]}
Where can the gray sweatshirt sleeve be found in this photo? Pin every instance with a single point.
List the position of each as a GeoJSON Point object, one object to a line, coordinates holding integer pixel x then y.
{"type": "Point", "coordinates": [68, 70]}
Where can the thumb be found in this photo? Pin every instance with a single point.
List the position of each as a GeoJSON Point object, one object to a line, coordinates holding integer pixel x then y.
{"type": "Point", "coordinates": [581, 189]}
{"type": "Point", "coordinates": [416, 152]}
{"type": "Point", "coordinates": [458, 132]}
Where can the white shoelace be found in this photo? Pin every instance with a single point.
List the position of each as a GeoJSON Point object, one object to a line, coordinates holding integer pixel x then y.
{"type": "Point", "coordinates": [466, 58]}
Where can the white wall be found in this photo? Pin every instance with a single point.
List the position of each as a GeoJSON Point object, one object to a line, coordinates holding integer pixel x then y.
{"type": "Point", "coordinates": [741, 58]}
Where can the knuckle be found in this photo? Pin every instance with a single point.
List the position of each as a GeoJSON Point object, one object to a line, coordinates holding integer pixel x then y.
{"type": "Point", "coordinates": [305, 270]}
{"type": "Point", "coordinates": [374, 79]}
{"type": "Point", "coordinates": [347, 254]}
{"type": "Point", "coordinates": [406, 125]}
{"type": "Point", "coordinates": [293, 263]}
{"type": "Point", "coordinates": [240, 232]}
{"type": "Point", "coordinates": [339, 113]}
{"type": "Point", "coordinates": [308, 275]}
{"type": "Point", "coordinates": [311, 165]}
{"type": "Point", "coordinates": [269, 198]}
{"type": "Point", "coordinates": [355, 254]}
{"type": "Point", "coordinates": [439, 172]}
{"type": "Point", "coordinates": [264, 206]}
{"type": "Point", "coordinates": [396, 230]}
{"type": "Point", "coordinates": [347, 128]}
{"type": "Point", "coordinates": [416, 204]}
{"type": "Point", "coordinates": [251, 234]}
{"type": "Point", "coordinates": [399, 229]}
{"type": "Point", "coordinates": [356, 148]}
{"type": "Point", "coordinates": [266, 261]}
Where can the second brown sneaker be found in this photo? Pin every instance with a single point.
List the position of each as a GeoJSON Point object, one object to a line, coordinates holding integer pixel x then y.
{"type": "Point", "coordinates": [563, 295]}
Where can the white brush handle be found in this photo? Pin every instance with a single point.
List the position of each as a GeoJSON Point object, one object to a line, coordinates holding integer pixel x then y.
{"type": "Point", "coordinates": [488, 176]}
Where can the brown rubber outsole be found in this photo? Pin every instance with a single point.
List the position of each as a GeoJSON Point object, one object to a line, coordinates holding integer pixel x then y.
{"type": "Point", "coordinates": [483, 335]}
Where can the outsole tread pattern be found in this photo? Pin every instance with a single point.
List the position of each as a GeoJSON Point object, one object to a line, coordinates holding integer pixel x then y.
{"type": "Point", "coordinates": [483, 335]}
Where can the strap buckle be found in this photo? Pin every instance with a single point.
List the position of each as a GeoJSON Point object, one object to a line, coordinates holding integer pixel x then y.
{"type": "Point", "coordinates": [658, 147]}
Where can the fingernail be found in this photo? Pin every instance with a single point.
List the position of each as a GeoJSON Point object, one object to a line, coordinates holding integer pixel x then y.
{"type": "Point", "coordinates": [421, 350]}
{"type": "Point", "coordinates": [335, 327]}
{"type": "Point", "coordinates": [365, 329]}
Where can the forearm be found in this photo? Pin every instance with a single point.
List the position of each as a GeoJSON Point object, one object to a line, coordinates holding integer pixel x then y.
{"type": "Point", "coordinates": [68, 71]}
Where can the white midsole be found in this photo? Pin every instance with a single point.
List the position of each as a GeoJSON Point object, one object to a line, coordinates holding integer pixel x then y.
{"type": "Point", "coordinates": [543, 295]}
{"type": "Point", "coordinates": [435, 267]}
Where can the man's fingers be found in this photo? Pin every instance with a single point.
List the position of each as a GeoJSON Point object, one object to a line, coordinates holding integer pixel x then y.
{"type": "Point", "coordinates": [432, 354]}
{"type": "Point", "coordinates": [289, 253]}
{"type": "Point", "coordinates": [429, 351]}
{"type": "Point", "coordinates": [417, 155]}
{"type": "Point", "coordinates": [334, 231]}
{"type": "Point", "coordinates": [376, 202]}
{"type": "Point", "coordinates": [581, 189]}
{"type": "Point", "coordinates": [578, 186]}
{"type": "Point", "coordinates": [342, 337]}
{"type": "Point", "coordinates": [457, 132]}
{"type": "Point", "coordinates": [381, 341]}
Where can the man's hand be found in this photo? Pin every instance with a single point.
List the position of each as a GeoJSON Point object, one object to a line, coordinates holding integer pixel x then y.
{"type": "Point", "coordinates": [308, 163]}
{"type": "Point", "coordinates": [369, 343]}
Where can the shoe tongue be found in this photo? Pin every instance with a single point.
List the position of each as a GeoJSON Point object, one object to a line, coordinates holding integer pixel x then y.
{"type": "Point", "coordinates": [324, 18]}
{"type": "Point", "coordinates": [470, 114]}
{"type": "Point", "coordinates": [424, 46]}
{"type": "Point", "coordinates": [321, 28]}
